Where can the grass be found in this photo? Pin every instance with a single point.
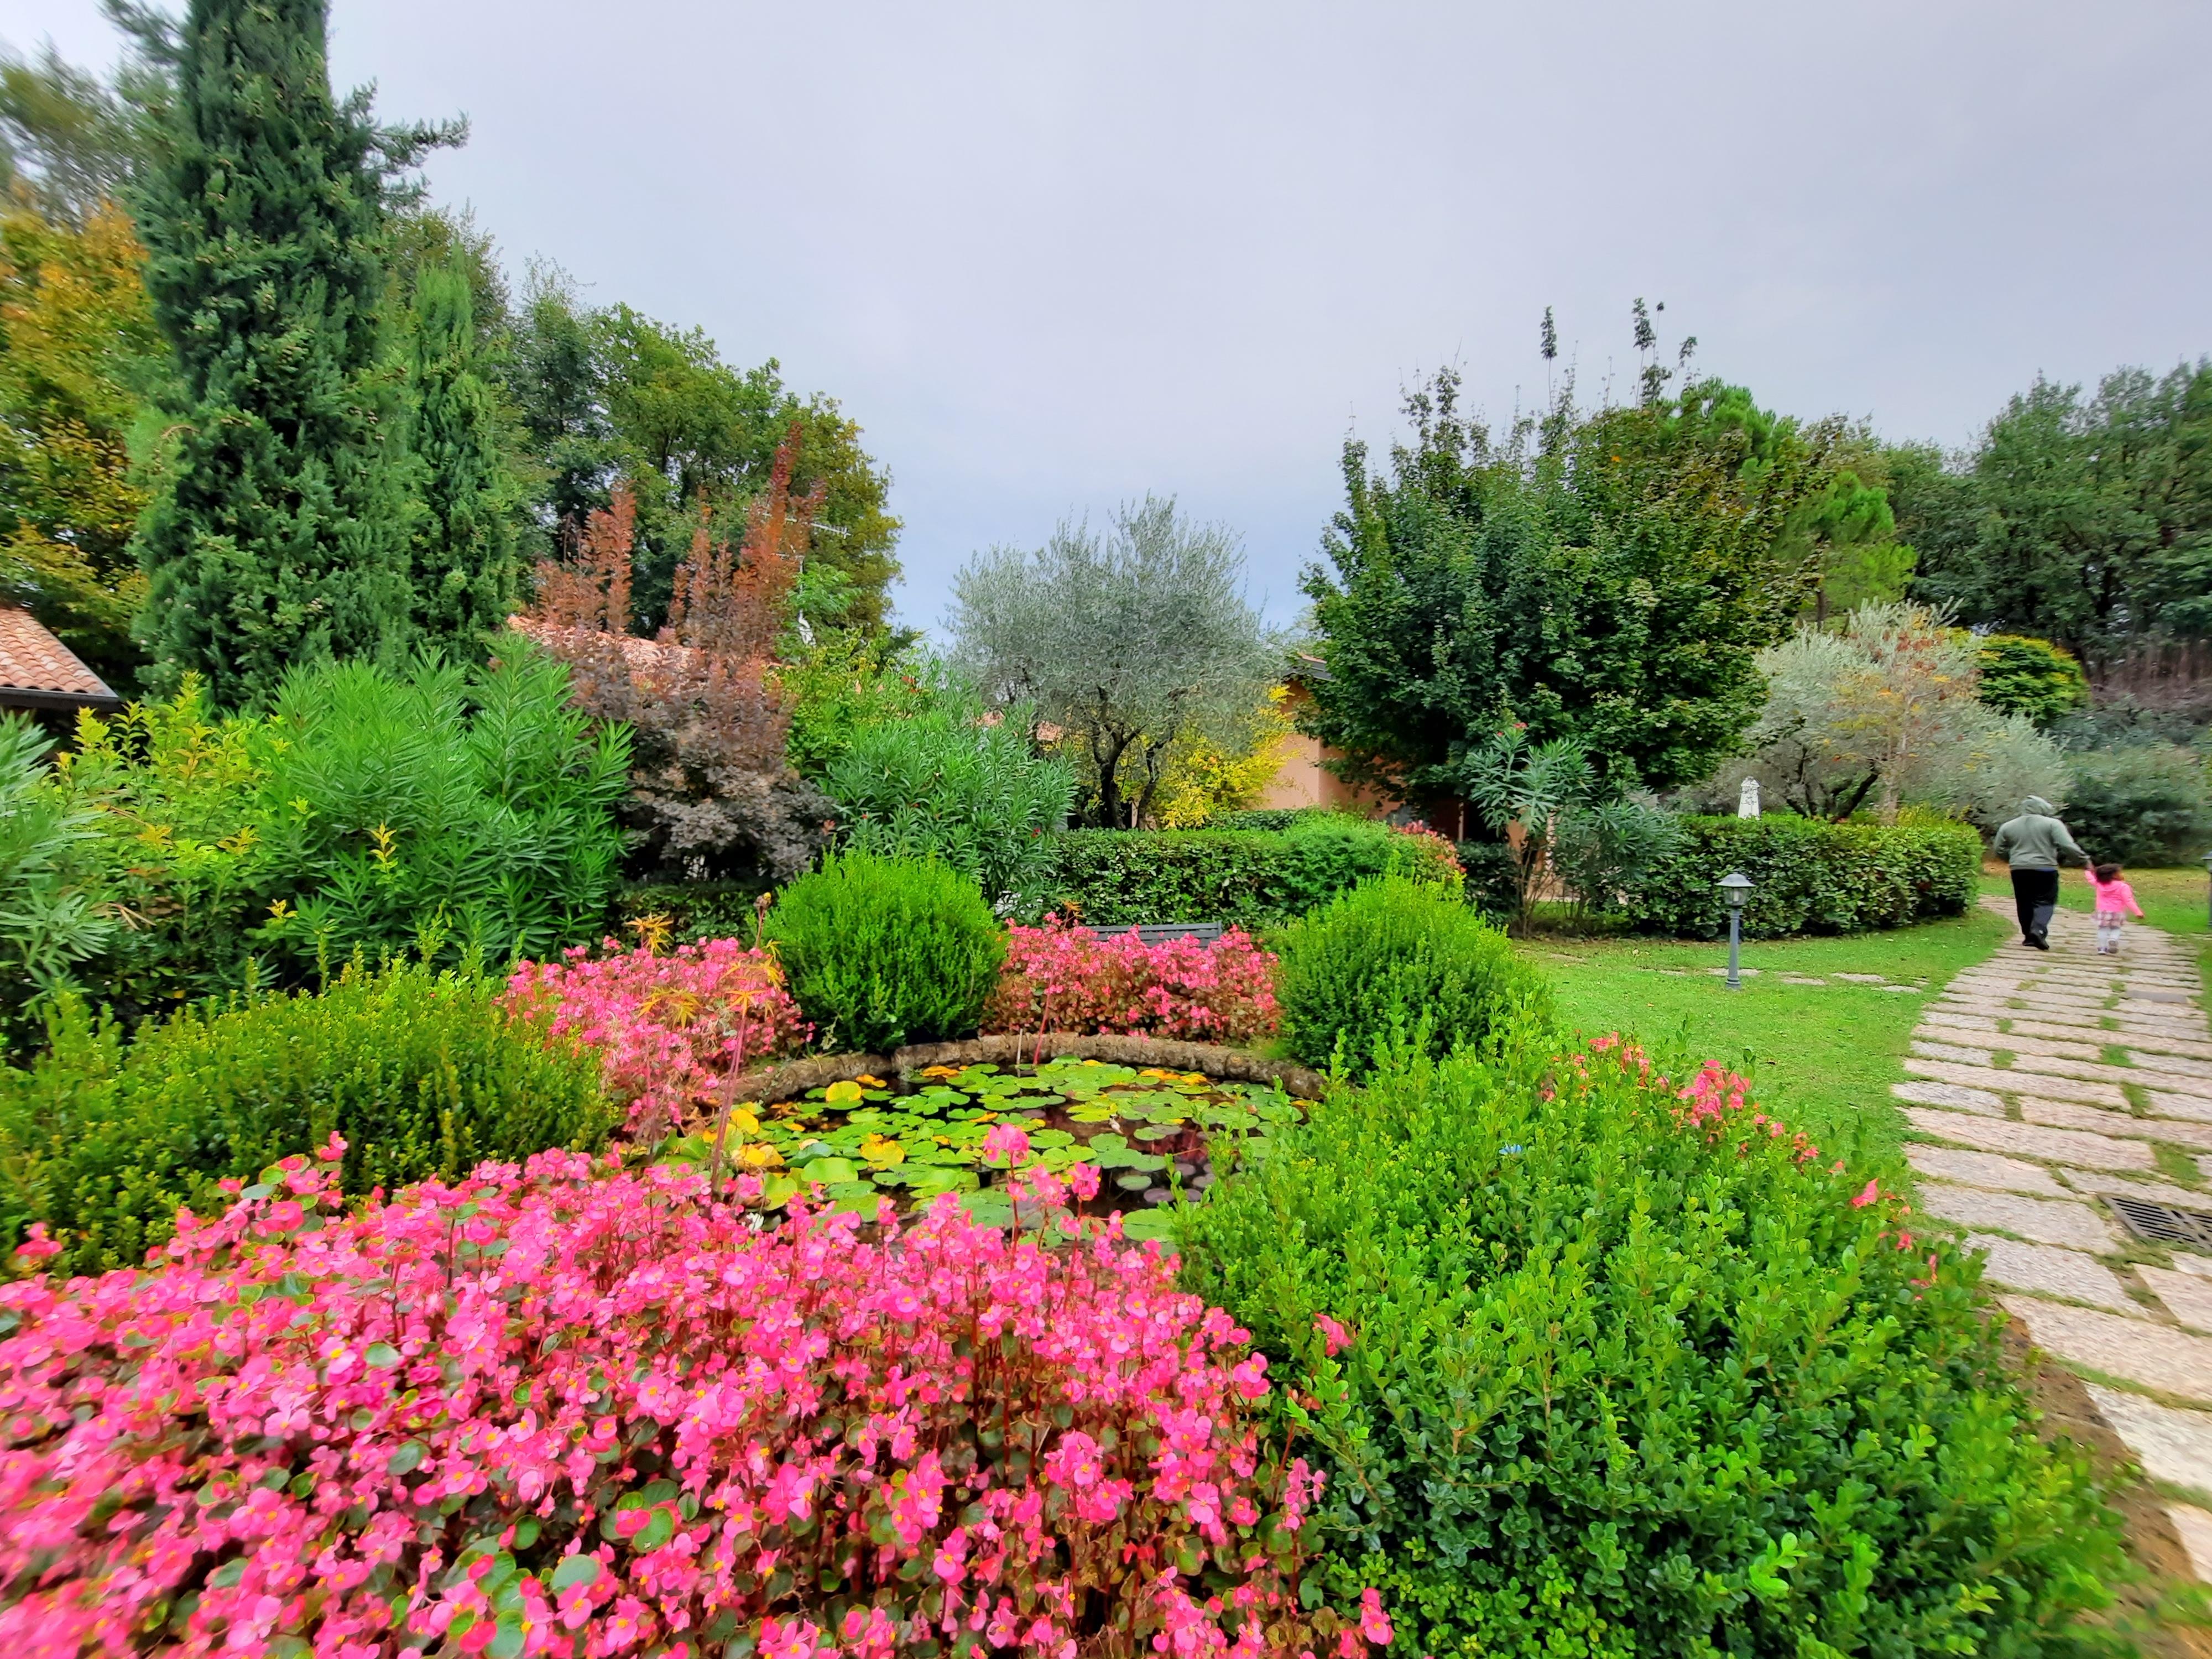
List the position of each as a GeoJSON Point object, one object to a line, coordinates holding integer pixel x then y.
{"type": "Point", "coordinates": [1823, 1056]}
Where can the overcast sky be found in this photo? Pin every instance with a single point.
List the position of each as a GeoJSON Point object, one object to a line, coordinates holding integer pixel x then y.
{"type": "Point", "coordinates": [1051, 256]}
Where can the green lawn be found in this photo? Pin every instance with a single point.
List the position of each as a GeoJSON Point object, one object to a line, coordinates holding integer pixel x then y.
{"type": "Point", "coordinates": [1823, 1055]}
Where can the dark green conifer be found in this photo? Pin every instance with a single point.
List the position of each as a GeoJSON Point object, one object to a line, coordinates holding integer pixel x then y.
{"type": "Point", "coordinates": [281, 532]}
{"type": "Point", "coordinates": [464, 565]}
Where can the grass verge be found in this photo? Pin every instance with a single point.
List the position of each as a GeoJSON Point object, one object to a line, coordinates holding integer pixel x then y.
{"type": "Point", "coordinates": [1823, 1055]}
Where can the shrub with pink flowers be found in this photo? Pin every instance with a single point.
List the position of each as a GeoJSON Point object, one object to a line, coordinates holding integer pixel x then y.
{"type": "Point", "coordinates": [564, 1409]}
{"type": "Point", "coordinates": [1603, 1362]}
{"type": "Point", "coordinates": [1063, 977]}
{"type": "Point", "coordinates": [670, 1025]}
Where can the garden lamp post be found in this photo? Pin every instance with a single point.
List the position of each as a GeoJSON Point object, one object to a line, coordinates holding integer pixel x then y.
{"type": "Point", "coordinates": [2208, 894]}
{"type": "Point", "coordinates": [1736, 886]}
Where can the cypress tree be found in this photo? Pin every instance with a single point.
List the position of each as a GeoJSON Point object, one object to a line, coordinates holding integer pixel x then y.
{"type": "Point", "coordinates": [282, 534]}
{"type": "Point", "coordinates": [465, 552]}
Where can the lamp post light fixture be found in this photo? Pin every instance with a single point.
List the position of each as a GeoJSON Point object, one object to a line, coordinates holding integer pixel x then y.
{"type": "Point", "coordinates": [1735, 886]}
{"type": "Point", "coordinates": [2208, 894]}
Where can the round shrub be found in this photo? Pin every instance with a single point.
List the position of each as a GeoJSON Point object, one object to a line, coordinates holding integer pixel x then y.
{"type": "Point", "coordinates": [1395, 959]}
{"type": "Point", "coordinates": [1603, 1367]}
{"type": "Point", "coordinates": [623, 1420]}
{"type": "Point", "coordinates": [2149, 805]}
{"type": "Point", "coordinates": [420, 1071]}
{"type": "Point", "coordinates": [885, 952]}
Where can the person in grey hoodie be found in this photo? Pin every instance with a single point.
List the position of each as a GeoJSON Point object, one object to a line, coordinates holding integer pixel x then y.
{"type": "Point", "coordinates": [2032, 843]}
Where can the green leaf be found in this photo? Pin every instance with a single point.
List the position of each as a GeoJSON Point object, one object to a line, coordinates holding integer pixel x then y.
{"type": "Point", "coordinates": [576, 1570]}
{"type": "Point", "coordinates": [406, 1459]}
{"type": "Point", "coordinates": [382, 1355]}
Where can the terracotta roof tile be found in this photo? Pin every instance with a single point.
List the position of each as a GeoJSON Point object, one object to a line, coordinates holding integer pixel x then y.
{"type": "Point", "coordinates": [31, 659]}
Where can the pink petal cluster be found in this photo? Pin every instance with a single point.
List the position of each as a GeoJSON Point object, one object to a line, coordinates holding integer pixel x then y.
{"type": "Point", "coordinates": [1064, 977]}
{"type": "Point", "coordinates": [669, 1026]}
{"type": "Point", "coordinates": [1441, 852]}
{"type": "Point", "coordinates": [568, 1409]}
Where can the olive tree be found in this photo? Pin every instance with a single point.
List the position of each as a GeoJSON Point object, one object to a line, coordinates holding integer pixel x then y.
{"type": "Point", "coordinates": [1883, 709]}
{"type": "Point", "coordinates": [1124, 642]}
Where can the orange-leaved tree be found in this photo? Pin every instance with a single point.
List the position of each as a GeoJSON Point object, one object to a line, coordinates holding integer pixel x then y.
{"type": "Point", "coordinates": [712, 796]}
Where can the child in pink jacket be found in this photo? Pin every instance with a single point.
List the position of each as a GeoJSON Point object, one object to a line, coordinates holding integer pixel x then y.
{"type": "Point", "coordinates": [2115, 899]}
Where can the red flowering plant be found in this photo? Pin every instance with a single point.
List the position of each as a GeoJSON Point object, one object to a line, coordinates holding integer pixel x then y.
{"type": "Point", "coordinates": [670, 1026]}
{"type": "Point", "coordinates": [1064, 977]}
{"type": "Point", "coordinates": [567, 1409]}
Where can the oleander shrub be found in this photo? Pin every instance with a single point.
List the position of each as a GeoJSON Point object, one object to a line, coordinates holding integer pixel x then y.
{"type": "Point", "coordinates": [882, 952]}
{"type": "Point", "coordinates": [421, 1070]}
{"type": "Point", "coordinates": [944, 784]}
{"type": "Point", "coordinates": [1255, 878]}
{"type": "Point", "coordinates": [1808, 876]}
{"type": "Point", "coordinates": [1602, 1365]}
{"type": "Point", "coordinates": [668, 1025]}
{"type": "Point", "coordinates": [1395, 961]}
{"type": "Point", "coordinates": [567, 1410]}
{"type": "Point", "coordinates": [2147, 805]}
{"type": "Point", "coordinates": [1064, 977]}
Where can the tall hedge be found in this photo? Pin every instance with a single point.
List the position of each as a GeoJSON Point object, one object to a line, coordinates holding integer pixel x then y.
{"type": "Point", "coordinates": [1112, 878]}
{"type": "Point", "coordinates": [1809, 877]}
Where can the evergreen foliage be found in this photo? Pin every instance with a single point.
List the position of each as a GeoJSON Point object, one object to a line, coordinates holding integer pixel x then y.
{"type": "Point", "coordinates": [883, 951]}
{"type": "Point", "coordinates": [466, 558]}
{"type": "Point", "coordinates": [1602, 1365]}
{"type": "Point", "coordinates": [280, 535]}
{"type": "Point", "coordinates": [1394, 962]}
{"type": "Point", "coordinates": [422, 1073]}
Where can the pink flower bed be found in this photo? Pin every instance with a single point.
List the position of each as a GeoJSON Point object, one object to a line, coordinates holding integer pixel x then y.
{"type": "Point", "coordinates": [568, 1410]}
{"type": "Point", "coordinates": [670, 1026]}
{"type": "Point", "coordinates": [1061, 977]}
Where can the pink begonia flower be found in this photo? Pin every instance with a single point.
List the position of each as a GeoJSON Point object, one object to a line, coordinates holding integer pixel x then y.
{"type": "Point", "coordinates": [1334, 1336]}
{"type": "Point", "coordinates": [1006, 1141]}
{"type": "Point", "coordinates": [1084, 1178]}
{"type": "Point", "coordinates": [1374, 1623]}
{"type": "Point", "coordinates": [1868, 1195]}
{"type": "Point", "coordinates": [610, 1313]}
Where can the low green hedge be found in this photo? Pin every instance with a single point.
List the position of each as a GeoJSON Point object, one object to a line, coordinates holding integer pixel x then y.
{"type": "Point", "coordinates": [421, 1071]}
{"type": "Point", "coordinates": [1621, 1385]}
{"type": "Point", "coordinates": [1809, 877]}
{"type": "Point", "coordinates": [1255, 876]}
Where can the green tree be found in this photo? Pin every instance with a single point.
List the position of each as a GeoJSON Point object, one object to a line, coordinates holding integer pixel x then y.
{"type": "Point", "coordinates": [280, 533]}
{"type": "Point", "coordinates": [2085, 520]}
{"type": "Point", "coordinates": [466, 563]}
{"type": "Point", "coordinates": [1613, 585]}
{"type": "Point", "coordinates": [611, 395]}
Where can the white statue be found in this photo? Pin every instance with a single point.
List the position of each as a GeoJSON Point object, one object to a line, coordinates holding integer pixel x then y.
{"type": "Point", "coordinates": [1746, 802]}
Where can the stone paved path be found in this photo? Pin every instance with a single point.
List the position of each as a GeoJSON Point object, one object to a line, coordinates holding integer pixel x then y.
{"type": "Point", "coordinates": [2048, 1084]}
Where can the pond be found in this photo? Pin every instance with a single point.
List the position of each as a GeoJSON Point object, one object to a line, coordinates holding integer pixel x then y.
{"type": "Point", "coordinates": [1154, 1135]}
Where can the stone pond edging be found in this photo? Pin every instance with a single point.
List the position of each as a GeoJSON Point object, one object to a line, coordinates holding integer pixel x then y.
{"type": "Point", "coordinates": [794, 1077]}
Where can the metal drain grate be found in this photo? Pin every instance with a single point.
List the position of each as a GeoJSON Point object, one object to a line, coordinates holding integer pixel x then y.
{"type": "Point", "coordinates": [2162, 1224]}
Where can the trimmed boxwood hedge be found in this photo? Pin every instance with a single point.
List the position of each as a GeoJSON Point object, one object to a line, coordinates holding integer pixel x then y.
{"type": "Point", "coordinates": [1620, 1383]}
{"type": "Point", "coordinates": [1111, 878]}
{"type": "Point", "coordinates": [1809, 876]}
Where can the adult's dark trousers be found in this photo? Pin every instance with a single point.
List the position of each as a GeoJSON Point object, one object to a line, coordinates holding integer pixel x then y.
{"type": "Point", "coordinates": [2035, 895]}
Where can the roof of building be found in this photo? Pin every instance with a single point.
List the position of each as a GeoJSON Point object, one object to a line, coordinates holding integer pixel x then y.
{"type": "Point", "coordinates": [37, 670]}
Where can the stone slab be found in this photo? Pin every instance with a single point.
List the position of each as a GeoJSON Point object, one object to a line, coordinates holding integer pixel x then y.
{"type": "Point", "coordinates": [2176, 1064]}
{"type": "Point", "coordinates": [2195, 1107]}
{"type": "Point", "coordinates": [2145, 1043]}
{"type": "Point", "coordinates": [2187, 1297]}
{"type": "Point", "coordinates": [2000, 1174]}
{"type": "Point", "coordinates": [2189, 1262]}
{"type": "Point", "coordinates": [2088, 1070]}
{"type": "Point", "coordinates": [2172, 1445]}
{"type": "Point", "coordinates": [1980, 1101]}
{"type": "Point", "coordinates": [2062, 1221]}
{"type": "Point", "coordinates": [2082, 1030]}
{"type": "Point", "coordinates": [2103, 1184]}
{"type": "Point", "coordinates": [1927, 1050]}
{"type": "Point", "coordinates": [1863, 979]}
{"type": "Point", "coordinates": [2193, 1527]}
{"type": "Point", "coordinates": [2011, 1082]}
{"type": "Point", "coordinates": [2045, 1271]}
{"type": "Point", "coordinates": [2064, 1114]}
{"type": "Point", "coordinates": [2150, 1356]}
{"type": "Point", "coordinates": [2090, 1151]}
